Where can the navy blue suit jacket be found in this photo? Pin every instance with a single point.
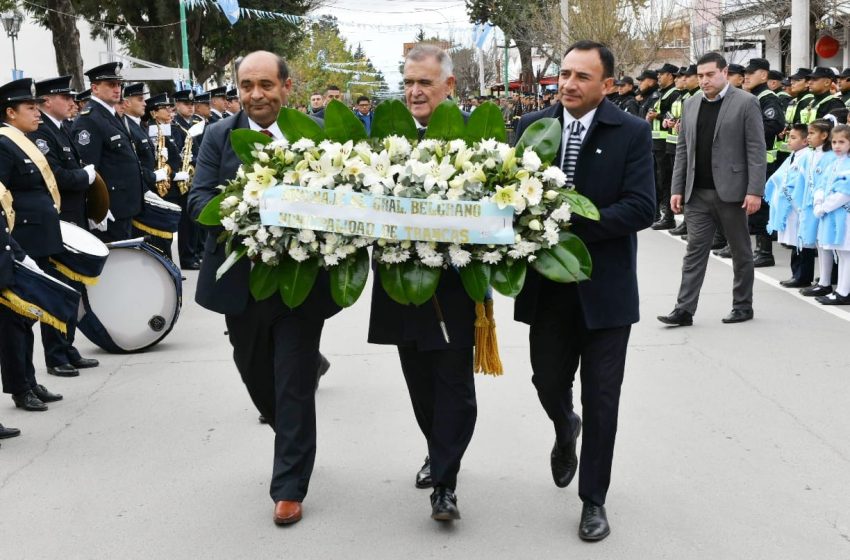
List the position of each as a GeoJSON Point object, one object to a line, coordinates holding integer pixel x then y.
{"type": "Point", "coordinates": [614, 170]}
{"type": "Point", "coordinates": [217, 164]}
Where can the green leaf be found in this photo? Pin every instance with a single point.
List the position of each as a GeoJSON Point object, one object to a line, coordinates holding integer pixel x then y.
{"type": "Point", "coordinates": [391, 281]}
{"type": "Point", "coordinates": [211, 214]}
{"type": "Point", "coordinates": [341, 125]}
{"type": "Point", "coordinates": [243, 141]}
{"type": "Point", "coordinates": [484, 123]}
{"type": "Point", "coordinates": [297, 279]}
{"type": "Point", "coordinates": [475, 277]}
{"type": "Point", "coordinates": [232, 258]}
{"type": "Point", "coordinates": [508, 277]}
{"type": "Point", "coordinates": [264, 281]}
{"type": "Point", "coordinates": [544, 137]}
{"type": "Point", "coordinates": [295, 125]}
{"type": "Point", "coordinates": [419, 281]}
{"type": "Point", "coordinates": [349, 277]}
{"type": "Point", "coordinates": [568, 261]}
{"type": "Point", "coordinates": [393, 118]}
{"type": "Point", "coordinates": [446, 122]}
{"type": "Point", "coordinates": [581, 205]}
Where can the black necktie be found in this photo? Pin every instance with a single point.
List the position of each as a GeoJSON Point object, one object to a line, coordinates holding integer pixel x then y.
{"type": "Point", "coordinates": [421, 132]}
{"type": "Point", "coordinates": [571, 150]}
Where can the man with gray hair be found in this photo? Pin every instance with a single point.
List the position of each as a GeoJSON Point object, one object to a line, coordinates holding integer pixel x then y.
{"type": "Point", "coordinates": [436, 366]}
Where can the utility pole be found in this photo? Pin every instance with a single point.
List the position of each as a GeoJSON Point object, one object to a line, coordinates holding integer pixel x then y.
{"type": "Point", "coordinates": [565, 24]}
{"type": "Point", "coordinates": [800, 41]}
{"type": "Point", "coordinates": [185, 39]}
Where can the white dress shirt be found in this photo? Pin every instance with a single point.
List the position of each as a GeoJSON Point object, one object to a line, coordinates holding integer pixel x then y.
{"type": "Point", "coordinates": [585, 120]}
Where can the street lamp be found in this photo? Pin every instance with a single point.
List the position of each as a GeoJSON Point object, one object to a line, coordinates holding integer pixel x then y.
{"type": "Point", "coordinates": [12, 24]}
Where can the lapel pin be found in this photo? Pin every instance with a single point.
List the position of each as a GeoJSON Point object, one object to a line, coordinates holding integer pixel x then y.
{"type": "Point", "coordinates": [598, 151]}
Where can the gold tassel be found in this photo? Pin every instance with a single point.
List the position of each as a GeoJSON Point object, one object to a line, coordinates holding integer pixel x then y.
{"type": "Point", "coordinates": [487, 358]}
{"type": "Point", "coordinates": [68, 273]}
{"type": "Point", "coordinates": [31, 311]}
{"type": "Point", "coordinates": [153, 231]}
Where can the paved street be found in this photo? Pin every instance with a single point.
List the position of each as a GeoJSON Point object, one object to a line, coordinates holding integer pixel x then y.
{"type": "Point", "coordinates": [734, 442]}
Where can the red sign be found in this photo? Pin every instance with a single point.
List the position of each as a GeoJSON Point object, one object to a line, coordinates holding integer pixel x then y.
{"type": "Point", "coordinates": [827, 46]}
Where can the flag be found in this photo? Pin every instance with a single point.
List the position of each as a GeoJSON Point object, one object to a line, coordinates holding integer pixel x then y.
{"type": "Point", "coordinates": [230, 8]}
{"type": "Point", "coordinates": [480, 34]}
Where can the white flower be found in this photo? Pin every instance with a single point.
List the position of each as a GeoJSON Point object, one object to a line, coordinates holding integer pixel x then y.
{"type": "Point", "coordinates": [397, 146]}
{"type": "Point", "coordinates": [551, 195]}
{"type": "Point", "coordinates": [489, 144]}
{"type": "Point", "coordinates": [530, 160]}
{"type": "Point", "coordinates": [298, 254]}
{"type": "Point", "coordinates": [551, 231]}
{"type": "Point", "coordinates": [268, 255]}
{"type": "Point", "coordinates": [507, 196]}
{"type": "Point", "coordinates": [505, 151]}
{"type": "Point", "coordinates": [262, 235]}
{"type": "Point", "coordinates": [458, 256]}
{"type": "Point", "coordinates": [263, 156]}
{"type": "Point", "coordinates": [553, 174]}
{"type": "Point", "coordinates": [532, 189]}
{"type": "Point", "coordinates": [303, 145]}
{"type": "Point", "coordinates": [276, 231]}
{"type": "Point", "coordinates": [456, 146]}
{"type": "Point", "coordinates": [281, 144]}
{"type": "Point", "coordinates": [332, 259]}
{"type": "Point", "coordinates": [230, 202]}
{"type": "Point", "coordinates": [228, 223]}
{"type": "Point", "coordinates": [491, 257]}
{"type": "Point", "coordinates": [562, 213]}
{"type": "Point", "coordinates": [322, 174]}
{"type": "Point", "coordinates": [433, 261]}
{"type": "Point", "coordinates": [306, 236]}
{"type": "Point", "coordinates": [535, 225]}
{"type": "Point", "coordinates": [250, 243]}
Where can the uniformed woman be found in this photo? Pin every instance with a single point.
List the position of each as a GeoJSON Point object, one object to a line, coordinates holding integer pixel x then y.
{"type": "Point", "coordinates": [25, 172]}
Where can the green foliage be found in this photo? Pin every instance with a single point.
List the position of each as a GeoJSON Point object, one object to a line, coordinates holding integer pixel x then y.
{"type": "Point", "coordinates": [419, 281]}
{"type": "Point", "coordinates": [475, 277]}
{"type": "Point", "coordinates": [341, 125]}
{"type": "Point", "coordinates": [486, 122]}
{"type": "Point", "coordinates": [568, 261]}
{"type": "Point", "coordinates": [264, 281]}
{"type": "Point", "coordinates": [349, 277]}
{"type": "Point", "coordinates": [244, 140]}
{"type": "Point", "coordinates": [581, 205]}
{"type": "Point", "coordinates": [508, 277]}
{"type": "Point", "coordinates": [393, 117]}
{"type": "Point", "coordinates": [446, 122]}
{"type": "Point", "coordinates": [297, 280]}
{"type": "Point", "coordinates": [211, 214]}
{"type": "Point", "coordinates": [542, 136]}
{"type": "Point", "coordinates": [295, 125]}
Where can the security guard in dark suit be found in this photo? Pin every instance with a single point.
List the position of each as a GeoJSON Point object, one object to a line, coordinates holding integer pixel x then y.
{"type": "Point", "coordinates": [755, 81]}
{"type": "Point", "coordinates": [10, 251]}
{"type": "Point", "coordinates": [218, 104]}
{"type": "Point", "coordinates": [24, 171]}
{"type": "Point", "coordinates": [102, 139]}
{"type": "Point", "coordinates": [54, 141]}
{"type": "Point", "coordinates": [656, 117]}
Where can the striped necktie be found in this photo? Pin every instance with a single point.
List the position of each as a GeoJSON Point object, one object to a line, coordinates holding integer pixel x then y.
{"type": "Point", "coordinates": [571, 150]}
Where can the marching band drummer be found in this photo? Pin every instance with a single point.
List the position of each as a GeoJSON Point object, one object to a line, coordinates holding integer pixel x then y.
{"type": "Point", "coordinates": [54, 141]}
{"type": "Point", "coordinates": [25, 172]}
{"type": "Point", "coordinates": [160, 129]}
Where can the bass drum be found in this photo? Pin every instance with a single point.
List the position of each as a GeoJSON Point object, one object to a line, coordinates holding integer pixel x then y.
{"type": "Point", "coordinates": [136, 302]}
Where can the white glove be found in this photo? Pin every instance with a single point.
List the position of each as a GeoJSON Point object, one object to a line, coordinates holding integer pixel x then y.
{"type": "Point", "coordinates": [835, 201]}
{"type": "Point", "coordinates": [90, 170]}
{"type": "Point", "coordinates": [31, 264]}
{"type": "Point", "coordinates": [102, 225]}
{"type": "Point", "coordinates": [181, 176]}
{"type": "Point", "coordinates": [819, 211]}
{"type": "Point", "coordinates": [818, 197]}
{"type": "Point", "coordinates": [164, 152]}
{"type": "Point", "coordinates": [161, 174]}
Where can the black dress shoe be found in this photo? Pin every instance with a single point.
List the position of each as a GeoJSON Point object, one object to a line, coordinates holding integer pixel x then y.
{"type": "Point", "coordinates": [724, 252]}
{"type": "Point", "coordinates": [423, 477]}
{"type": "Point", "coordinates": [65, 370]}
{"type": "Point", "coordinates": [191, 266]}
{"type": "Point", "coordinates": [664, 223]}
{"type": "Point", "coordinates": [85, 363]}
{"type": "Point", "coordinates": [8, 432]}
{"type": "Point", "coordinates": [324, 366]}
{"type": "Point", "coordinates": [684, 237]}
{"type": "Point", "coordinates": [28, 401]}
{"type": "Point", "coordinates": [794, 283]}
{"type": "Point", "coordinates": [46, 396]}
{"type": "Point", "coordinates": [816, 290]}
{"type": "Point", "coordinates": [677, 318]}
{"type": "Point", "coordinates": [761, 260]}
{"type": "Point", "coordinates": [594, 523]}
{"type": "Point", "coordinates": [681, 229]}
{"type": "Point", "coordinates": [444, 504]}
{"type": "Point", "coordinates": [738, 316]}
{"type": "Point", "coordinates": [564, 461]}
{"type": "Point", "coordinates": [833, 299]}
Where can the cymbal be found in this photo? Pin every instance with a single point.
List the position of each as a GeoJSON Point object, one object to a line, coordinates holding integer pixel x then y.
{"type": "Point", "coordinates": [97, 200]}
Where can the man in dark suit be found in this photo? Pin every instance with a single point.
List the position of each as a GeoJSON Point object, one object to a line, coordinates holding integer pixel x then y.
{"type": "Point", "coordinates": [607, 154]}
{"type": "Point", "coordinates": [721, 160]}
{"type": "Point", "coordinates": [276, 349]}
{"type": "Point", "coordinates": [438, 372]}
{"type": "Point", "coordinates": [54, 141]}
{"type": "Point", "coordinates": [102, 140]}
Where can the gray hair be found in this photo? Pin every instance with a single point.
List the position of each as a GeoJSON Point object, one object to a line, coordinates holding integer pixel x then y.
{"type": "Point", "coordinates": [427, 50]}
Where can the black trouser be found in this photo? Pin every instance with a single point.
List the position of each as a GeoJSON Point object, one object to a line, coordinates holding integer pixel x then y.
{"type": "Point", "coordinates": [59, 348]}
{"type": "Point", "coordinates": [663, 180]}
{"type": "Point", "coordinates": [162, 244]}
{"type": "Point", "coordinates": [803, 264]}
{"type": "Point", "coordinates": [16, 349]}
{"type": "Point", "coordinates": [187, 236]}
{"type": "Point", "coordinates": [276, 351]}
{"type": "Point", "coordinates": [560, 341]}
{"type": "Point", "coordinates": [442, 391]}
{"type": "Point", "coordinates": [119, 230]}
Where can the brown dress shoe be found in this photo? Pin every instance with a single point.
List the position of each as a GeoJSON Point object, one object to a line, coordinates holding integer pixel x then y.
{"type": "Point", "coordinates": [287, 513]}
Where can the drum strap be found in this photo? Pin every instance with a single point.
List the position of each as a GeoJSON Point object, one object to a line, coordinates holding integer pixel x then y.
{"type": "Point", "coordinates": [153, 231]}
{"type": "Point", "coordinates": [6, 204]}
{"type": "Point", "coordinates": [71, 275]}
{"type": "Point", "coordinates": [30, 310]}
{"type": "Point", "coordinates": [32, 151]}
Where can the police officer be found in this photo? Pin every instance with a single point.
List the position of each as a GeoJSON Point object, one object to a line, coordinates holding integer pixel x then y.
{"type": "Point", "coordinates": [102, 139]}
{"type": "Point", "coordinates": [689, 86]}
{"type": "Point", "coordinates": [774, 84]}
{"type": "Point", "coordinates": [736, 75]}
{"type": "Point", "coordinates": [81, 99]}
{"type": "Point", "coordinates": [25, 173]}
{"type": "Point", "coordinates": [647, 90]}
{"type": "Point", "coordinates": [218, 104]}
{"type": "Point", "coordinates": [10, 251]}
{"type": "Point", "coordinates": [755, 81]}
{"type": "Point", "coordinates": [820, 83]}
{"type": "Point", "coordinates": [202, 107]}
{"type": "Point", "coordinates": [844, 86]}
{"type": "Point", "coordinates": [626, 101]}
{"type": "Point", "coordinates": [54, 141]}
{"type": "Point", "coordinates": [188, 233]}
{"type": "Point", "coordinates": [134, 111]}
{"type": "Point", "coordinates": [800, 97]}
{"type": "Point", "coordinates": [657, 116]}
{"type": "Point", "coordinates": [233, 104]}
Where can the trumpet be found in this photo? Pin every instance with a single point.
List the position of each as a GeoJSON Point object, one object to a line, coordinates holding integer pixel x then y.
{"type": "Point", "coordinates": [187, 165]}
{"type": "Point", "coordinates": [162, 162]}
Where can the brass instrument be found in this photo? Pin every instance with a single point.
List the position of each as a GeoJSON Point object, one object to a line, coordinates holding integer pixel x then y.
{"type": "Point", "coordinates": [187, 166]}
{"type": "Point", "coordinates": [162, 162]}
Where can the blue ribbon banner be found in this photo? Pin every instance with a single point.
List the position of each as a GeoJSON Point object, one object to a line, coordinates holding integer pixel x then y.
{"type": "Point", "coordinates": [387, 217]}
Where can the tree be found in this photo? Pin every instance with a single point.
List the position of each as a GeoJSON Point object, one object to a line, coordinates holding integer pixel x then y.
{"type": "Point", "coordinates": [151, 31]}
{"type": "Point", "coordinates": [466, 69]}
{"type": "Point", "coordinates": [513, 18]}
